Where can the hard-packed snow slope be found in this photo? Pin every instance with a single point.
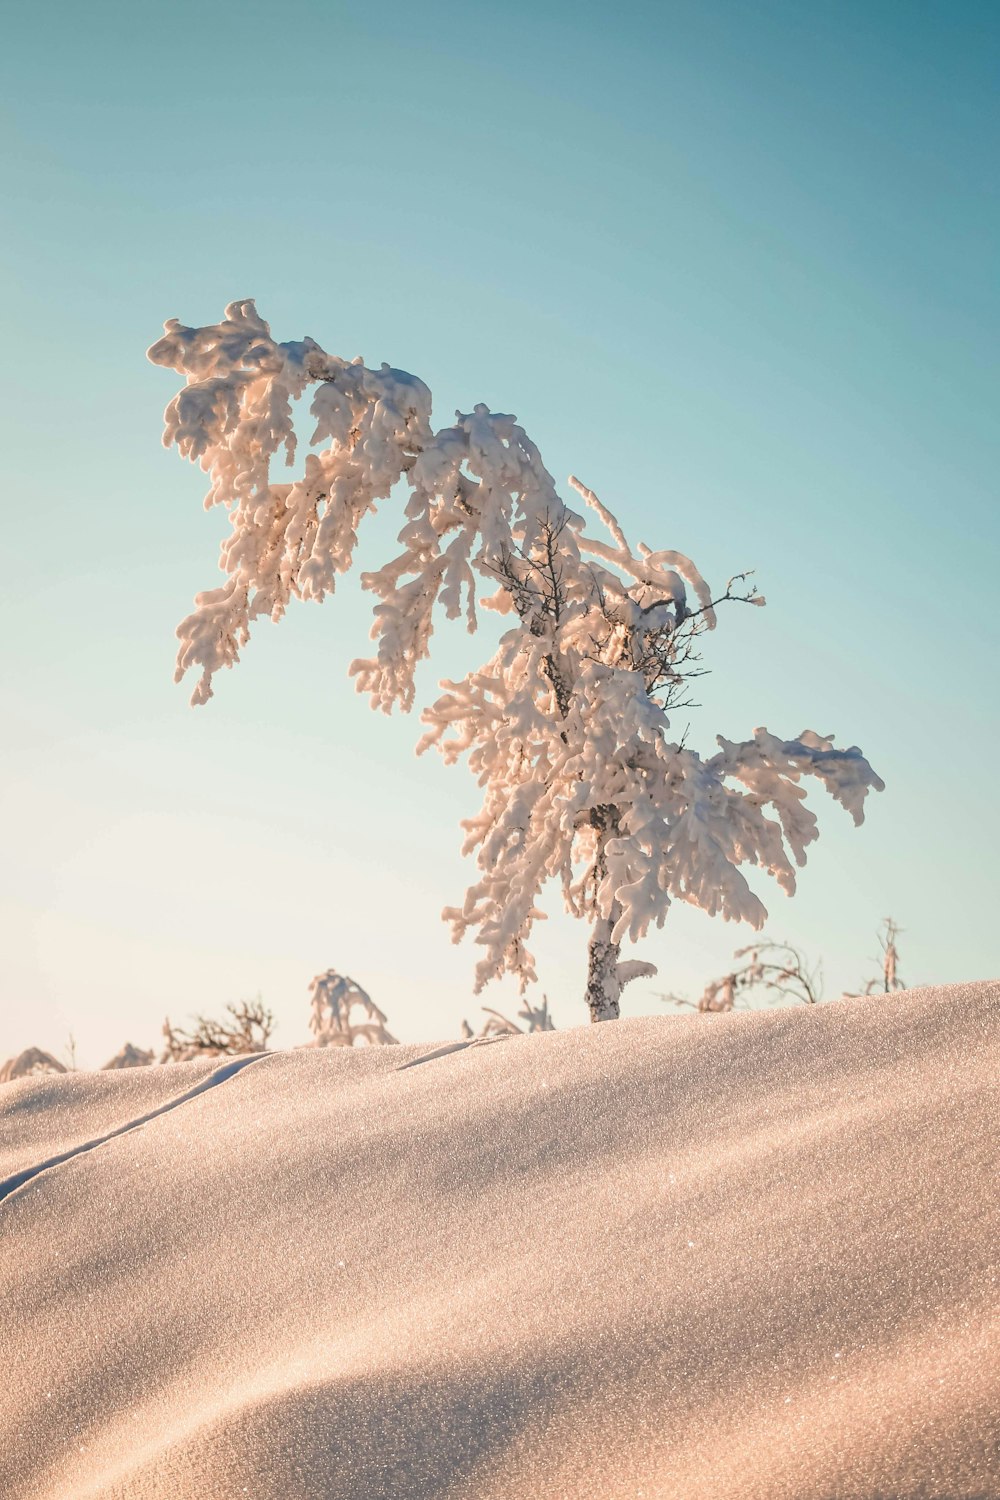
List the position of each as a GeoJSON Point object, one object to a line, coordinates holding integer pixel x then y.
{"type": "Point", "coordinates": [744, 1256]}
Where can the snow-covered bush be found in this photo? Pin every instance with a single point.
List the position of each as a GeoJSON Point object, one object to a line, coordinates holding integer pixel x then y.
{"type": "Point", "coordinates": [130, 1056]}
{"type": "Point", "coordinates": [334, 1022]}
{"type": "Point", "coordinates": [32, 1060]}
{"type": "Point", "coordinates": [566, 727]}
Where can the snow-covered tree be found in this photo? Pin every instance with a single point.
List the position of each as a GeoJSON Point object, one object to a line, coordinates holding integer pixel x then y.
{"type": "Point", "coordinates": [567, 726]}
{"type": "Point", "coordinates": [334, 1022]}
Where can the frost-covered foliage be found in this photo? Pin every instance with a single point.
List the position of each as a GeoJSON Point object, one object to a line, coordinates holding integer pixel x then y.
{"type": "Point", "coordinates": [131, 1057]}
{"type": "Point", "coordinates": [32, 1060]}
{"type": "Point", "coordinates": [244, 1028]}
{"type": "Point", "coordinates": [344, 1014]}
{"type": "Point", "coordinates": [566, 727]}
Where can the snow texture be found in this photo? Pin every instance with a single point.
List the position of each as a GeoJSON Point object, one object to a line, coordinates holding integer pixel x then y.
{"type": "Point", "coordinates": [745, 1257]}
{"type": "Point", "coordinates": [566, 727]}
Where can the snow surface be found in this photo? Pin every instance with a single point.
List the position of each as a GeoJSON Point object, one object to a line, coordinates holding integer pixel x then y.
{"type": "Point", "coordinates": [741, 1256]}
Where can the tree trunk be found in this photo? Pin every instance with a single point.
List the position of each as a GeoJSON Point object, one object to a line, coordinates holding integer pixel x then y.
{"type": "Point", "coordinates": [603, 984]}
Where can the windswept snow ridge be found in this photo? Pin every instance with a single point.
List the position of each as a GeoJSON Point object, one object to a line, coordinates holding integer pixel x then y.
{"type": "Point", "coordinates": [450, 1047]}
{"type": "Point", "coordinates": [220, 1075]}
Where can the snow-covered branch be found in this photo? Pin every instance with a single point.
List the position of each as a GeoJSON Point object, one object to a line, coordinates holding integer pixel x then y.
{"type": "Point", "coordinates": [334, 1023]}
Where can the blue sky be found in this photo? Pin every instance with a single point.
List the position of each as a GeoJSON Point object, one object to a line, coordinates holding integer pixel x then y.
{"type": "Point", "coordinates": [733, 264]}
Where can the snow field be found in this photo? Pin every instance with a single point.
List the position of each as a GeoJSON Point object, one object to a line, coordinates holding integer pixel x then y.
{"type": "Point", "coordinates": [741, 1256]}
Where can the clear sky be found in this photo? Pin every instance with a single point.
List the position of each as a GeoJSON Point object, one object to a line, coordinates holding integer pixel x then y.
{"type": "Point", "coordinates": [736, 265]}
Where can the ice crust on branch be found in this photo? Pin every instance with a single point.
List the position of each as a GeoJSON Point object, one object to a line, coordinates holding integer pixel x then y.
{"type": "Point", "coordinates": [566, 727]}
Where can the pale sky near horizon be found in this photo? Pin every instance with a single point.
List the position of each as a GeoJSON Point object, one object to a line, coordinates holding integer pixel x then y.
{"type": "Point", "coordinates": [734, 265]}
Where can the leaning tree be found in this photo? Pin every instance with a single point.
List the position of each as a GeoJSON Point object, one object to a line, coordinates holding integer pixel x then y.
{"type": "Point", "coordinates": [566, 727]}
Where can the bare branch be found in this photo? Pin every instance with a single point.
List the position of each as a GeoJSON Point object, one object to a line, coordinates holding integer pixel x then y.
{"type": "Point", "coordinates": [245, 1028]}
{"type": "Point", "coordinates": [774, 968]}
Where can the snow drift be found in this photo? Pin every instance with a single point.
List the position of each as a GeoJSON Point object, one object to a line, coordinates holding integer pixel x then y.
{"type": "Point", "coordinates": [740, 1256]}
